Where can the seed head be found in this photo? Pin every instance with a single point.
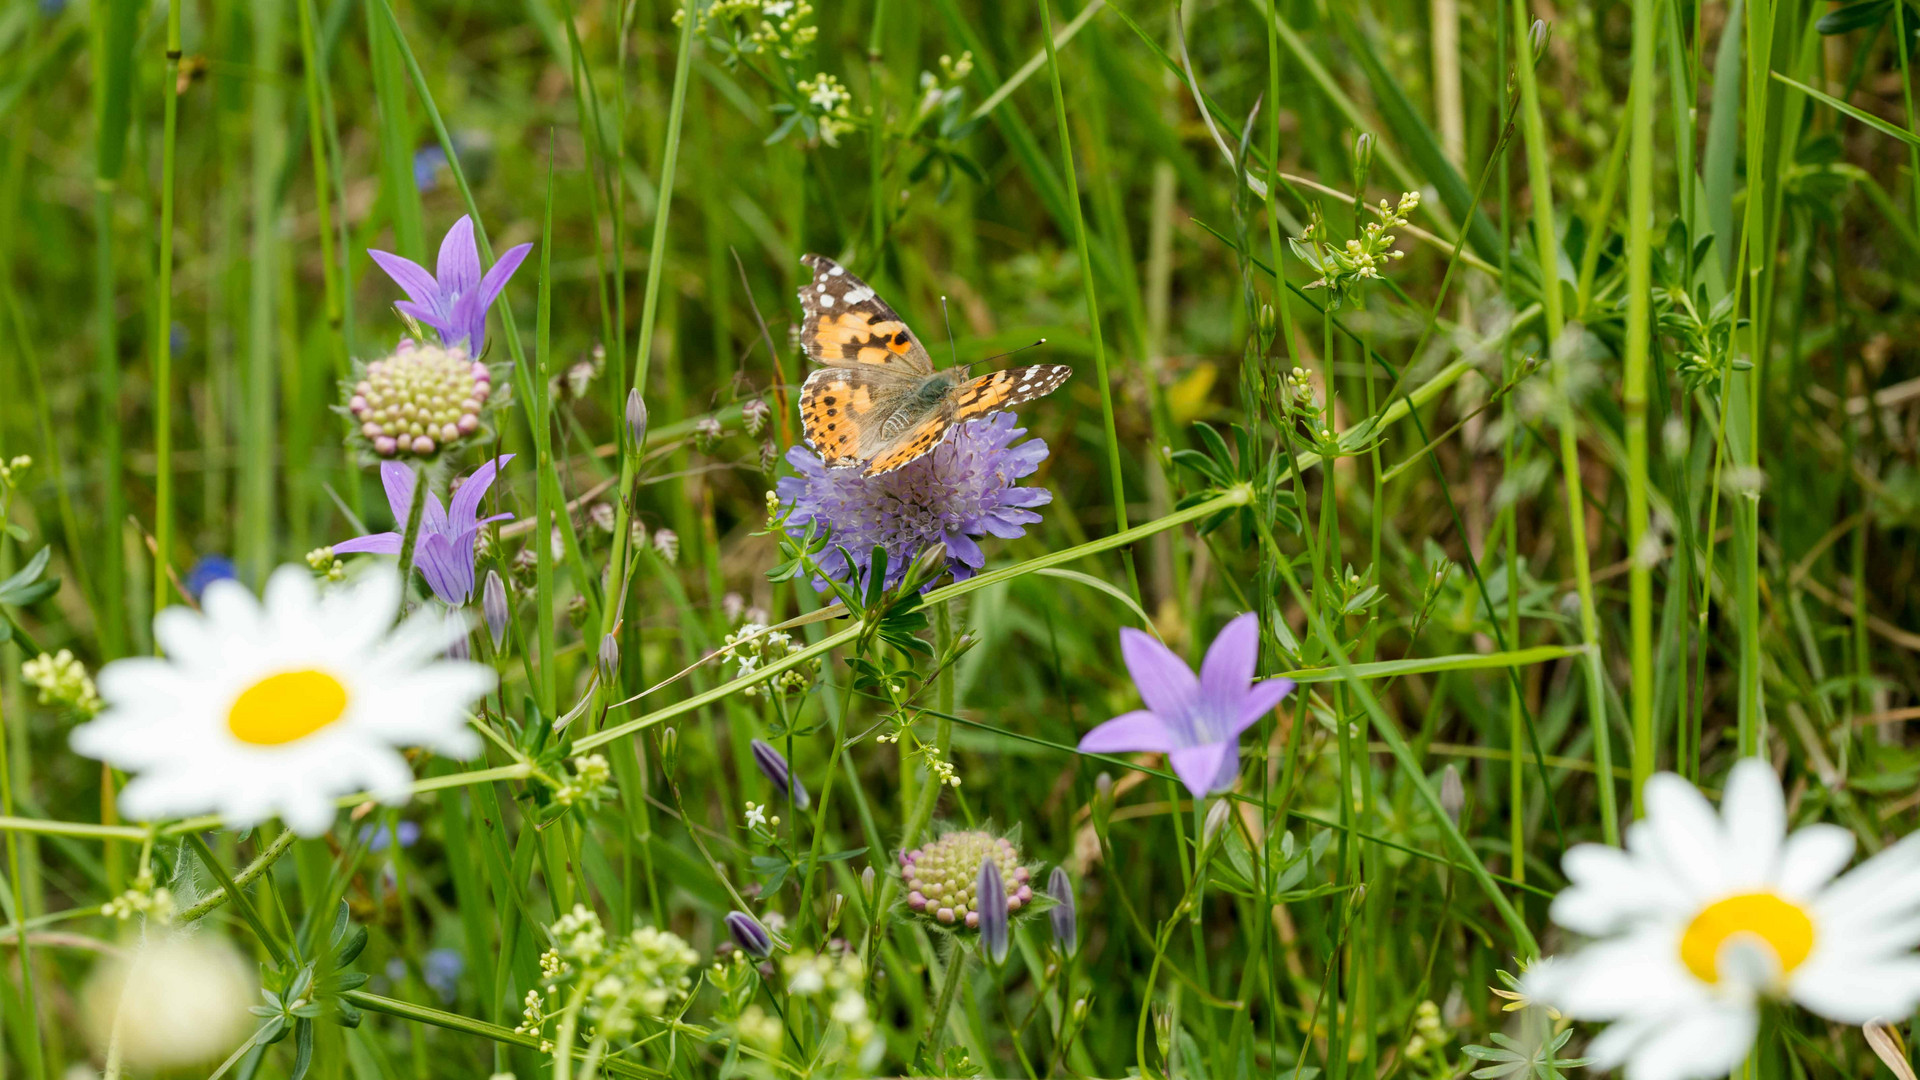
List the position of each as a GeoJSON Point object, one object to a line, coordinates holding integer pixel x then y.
{"type": "Point", "coordinates": [943, 876]}
{"type": "Point", "coordinates": [420, 400]}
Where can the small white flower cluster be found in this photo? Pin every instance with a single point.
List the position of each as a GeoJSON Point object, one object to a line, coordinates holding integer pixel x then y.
{"type": "Point", "coordinates": [11, 470]}
{"type": "Point", "coordinates": [644, 973]}
{"type": "Point", "coordinates": [143, 899]}
{"type": "Point", "coordinates": [944, 89]}
{"type": "Point", "coordinates": [830, 99]}
{"type": "Point", "coordinates": [534, 1014]}
{"type": "Point", "coordinates": [938, 767]}
{"type": "Point", "coordinates": [779, 27]}
{"type": "Point", "coordinates": [836, 980]}
{"type": "Point", "coordinates": [1429, 1033]}
{"type": "Point", "coordinates": [1361, 258]}
{"type": "Point", "coordinates": [753, 645]}
{"type": "Point", "coordinates": [62, 680]}
{"type": "Point", "coordinates": [758, 820]}
{"type": "Point", "coordinates": [590, 783]}
{"type": "Point", "coordinates": [323, 564]}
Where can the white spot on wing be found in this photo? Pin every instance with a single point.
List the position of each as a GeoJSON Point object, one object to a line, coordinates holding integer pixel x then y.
{"type": "Point", "coordinates": [825, 299]}
{"type": "Point", "coordinates": [860, 295]}
{"type": "Point", "coordinates": [837, 270]}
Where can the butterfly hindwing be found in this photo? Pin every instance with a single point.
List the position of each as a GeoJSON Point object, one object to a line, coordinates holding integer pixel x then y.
{"type": "Point", "coordinates": [842, 410]}
{"type": "Point", "coordinates": [847, 324]}
{"type": "Point", "coordinates": [999, 390]}
{"type": "Point", "coordinates": [913, 443]}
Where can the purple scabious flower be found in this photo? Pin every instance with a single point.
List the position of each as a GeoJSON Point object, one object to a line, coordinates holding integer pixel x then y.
{"type": "Point", "coordinates": [455, 298]}
{"type": "Point", "coordinates": [443, 552]}
{"type": "Point", "coordinates": [966, 488]}
{"type": "Point", "coordinates": [1196, 722]}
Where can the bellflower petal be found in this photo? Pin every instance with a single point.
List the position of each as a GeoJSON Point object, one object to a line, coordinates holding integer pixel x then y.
{"type": "Point", "coordinates": [1165, 681]}
{"type": "Point", "coordinates": [443, 551]}
{"type": "Point", "coordinates": [1128, 733]}
{"type": "Point", "coordinates": [1200, 767]}
{"type": "Point", "coordinates": [455, 298]}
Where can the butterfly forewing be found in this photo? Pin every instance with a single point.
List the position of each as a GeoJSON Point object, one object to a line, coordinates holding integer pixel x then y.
{"type": "Point", "coordinates": [847, 324]}
{"type": "Point", "coordinates": [999, 390]}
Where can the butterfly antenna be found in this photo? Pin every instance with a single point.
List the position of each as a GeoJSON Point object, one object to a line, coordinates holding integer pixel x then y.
{"type": "Point", "coordinates": [952, 348]}
{"type": "Point", "coordinates": [1010, 352]}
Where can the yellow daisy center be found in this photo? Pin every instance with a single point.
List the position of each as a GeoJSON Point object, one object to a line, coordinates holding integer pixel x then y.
{"type": "Point", "coordinates": [1784, 926]}
{"type": "Point", "coordinates": [286, 707]}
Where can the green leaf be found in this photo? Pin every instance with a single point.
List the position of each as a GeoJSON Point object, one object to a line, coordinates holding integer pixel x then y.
{"type": "Point", "coordinates": [1107, 587]}
{"type": "Point", "coordinates": [1854, 17]}
{"type": "Point", "coordinates": [1861, 115]}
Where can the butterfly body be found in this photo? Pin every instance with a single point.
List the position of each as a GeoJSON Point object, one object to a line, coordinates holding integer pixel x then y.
{"type": "Point", "coordinates": [878, 402]}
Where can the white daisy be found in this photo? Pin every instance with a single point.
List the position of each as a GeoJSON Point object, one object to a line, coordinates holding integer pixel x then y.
{"type": "Point", "coordinates": [281, 706]}
{"type": "Point", "coordinates": [1703, 915]}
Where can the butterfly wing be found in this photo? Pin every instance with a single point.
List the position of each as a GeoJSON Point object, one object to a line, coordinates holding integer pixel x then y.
{"type": "Point", "coordinates": [847, 324]}
{"type": "Point", "coordinates": [914, 443]}
{"type": "Point", "coordinates": [845, 411]}
{"type": "Point", "coordinates": [999, 390]}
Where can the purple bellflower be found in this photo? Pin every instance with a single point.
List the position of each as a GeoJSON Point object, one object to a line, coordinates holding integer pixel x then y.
{"type": "Point", "coordinates": [455, 298]}
{"type": "Point", "coordinates": [965, 488]}
{"type": "Point", "coordinates": [443, 552]}
{"type": "Point", "coordinates": [1196, 722]}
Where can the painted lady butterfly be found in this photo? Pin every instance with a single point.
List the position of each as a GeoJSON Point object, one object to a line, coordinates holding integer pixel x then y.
{"type": "Point", "coordinates": [878, 402]}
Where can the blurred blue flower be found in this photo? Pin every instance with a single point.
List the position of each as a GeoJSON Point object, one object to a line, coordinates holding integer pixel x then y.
{"type": "Point", "coordinates": [177, 338]}
{"type": "Point", "coordinates": [377, 837]}
{"type": "Point", "coordinates": [442, 969]}
{"type": "Point", "coordinates": [207, 570]}
{"type": "Point", "coordinates": [427, 163]}
{"type": "Point", "coordinates": [965, 488]}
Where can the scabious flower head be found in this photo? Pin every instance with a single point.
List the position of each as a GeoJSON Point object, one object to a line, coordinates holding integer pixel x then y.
{"type": "Point", "coordinates": [444, 549]}
{"type": "Point", "coordinates": [420, 400]}
{"type": "Point", "coordinates": [943, 876]}
{"type": "Point", "coordinates": [455, 298]}
{"type": "Point", "coordinates": [966, 488]}
{"type": "Point", "coordinates": [1195, 721]}
{"type": "Point", "coordinates": [1703, 916]}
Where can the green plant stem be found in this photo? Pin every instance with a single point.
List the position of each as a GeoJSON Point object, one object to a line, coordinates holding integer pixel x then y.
{"type": "Point", "coordinates": [937, 1021]}
{"type": "Point", "coordinates": [163, 326]}
{"type": "Point", "coordinates": [1115, 478]}
{"type": "Point", "coordinates": [241, 904]}
{"type": "Point", "coordinates": [1540, 181]}
{"type": "Point", "coordinates": [252, 871]}
{"type": "Point", "coordinates": [1634, 388]}
{"type": "Point", "coordinates": [410, 532]}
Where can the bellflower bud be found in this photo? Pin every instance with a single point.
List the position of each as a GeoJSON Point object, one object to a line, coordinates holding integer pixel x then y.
{"type": "Point", "coordinates": [995, 934]}
{"type": "Point", "coordinates": [636, 422]}
{"type": "Point", "coordinates": [775, 768]}
{"type": "Point", "coordinates": [493, 605]}
{"type": "Point", "coordinates": [1453, 795]}
{"type": "Point", "coordinates": [1066, 930]}
{"type": "Point", "coordinates": [609, 660]}
{"type": "Point", "coordinates": [747, 932]}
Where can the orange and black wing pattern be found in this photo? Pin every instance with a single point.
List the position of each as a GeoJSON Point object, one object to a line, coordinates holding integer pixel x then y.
{"type": "Point", "coordinates": [999, 390]}
{"type": "Point", "coordinates": [846, 323]}
{"type": "Point", "coordinates": [913, 443]}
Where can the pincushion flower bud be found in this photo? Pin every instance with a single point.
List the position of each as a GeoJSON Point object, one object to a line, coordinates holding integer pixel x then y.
{"type": "Point", "coordinates": [747, 933]}
{"type": "Point", "coordinates": [774, 766]}
{"type": "Point", "coordinates": [1066, 930]}
{"type": "Point", "coordinates": [493, 606]}
{"type": "Point", "coordinates": [942, 881]}
{"type": "Point", "coordinates": [636, 421]}
{"type": "Point", "coordinates": [994, 933]}
{"type": "Point", "coordinates": [420, 400]}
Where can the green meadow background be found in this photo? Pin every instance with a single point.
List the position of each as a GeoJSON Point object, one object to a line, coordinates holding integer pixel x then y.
{"type": "Point", "coordinates": [1626, 474]}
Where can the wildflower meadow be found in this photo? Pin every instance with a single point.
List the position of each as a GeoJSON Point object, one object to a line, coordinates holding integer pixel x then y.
{"type": "Point", "coordinates": [790, 539]}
